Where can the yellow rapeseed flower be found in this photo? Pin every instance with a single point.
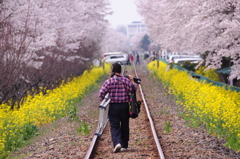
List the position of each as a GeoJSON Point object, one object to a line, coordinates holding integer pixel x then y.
{"type": "Point", "coordinates": [43, 108]}
{"type": "Point", "coordinates": [215, 106]}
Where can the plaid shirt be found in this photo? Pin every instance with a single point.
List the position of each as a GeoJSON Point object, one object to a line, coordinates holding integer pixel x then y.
{"type": "Point", "coordinates": [118, 88]}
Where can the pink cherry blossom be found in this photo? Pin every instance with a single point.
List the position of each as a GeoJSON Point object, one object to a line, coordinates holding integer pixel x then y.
{"type": "Point", "coordinates": [196, 26]}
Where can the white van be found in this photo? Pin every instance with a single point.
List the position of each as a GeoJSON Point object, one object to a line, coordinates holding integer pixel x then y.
{"type": "Point", "coordinates": [180, 60]}
{"type": "Point", "coordinates": [122, 58]}
{"type": "Point", "coordinates": [110, 53]}
{"type": "Point", "coordinates": [170, 57]}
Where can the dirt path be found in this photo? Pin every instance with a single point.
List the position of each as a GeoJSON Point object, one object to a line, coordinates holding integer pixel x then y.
{"type": "Point", "coordinates": [61, 139]}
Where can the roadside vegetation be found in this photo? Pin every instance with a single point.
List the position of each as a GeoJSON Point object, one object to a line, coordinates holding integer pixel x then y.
{"type": "Point", "coordinates": [210, 73]}
{"type": "Point", "coordinates": [213, 107]}
{"type": "Point", "coordinates": [18, 125]}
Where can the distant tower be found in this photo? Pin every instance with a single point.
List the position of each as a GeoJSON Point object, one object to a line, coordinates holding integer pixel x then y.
{"type": "Point", "coordinates": [134, 28]}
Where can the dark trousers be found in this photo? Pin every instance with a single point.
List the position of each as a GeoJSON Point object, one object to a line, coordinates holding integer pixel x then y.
{"type": "Point", "coordinates": [119, 123]}
{"type": "Point", "coordinates": [138, 61]}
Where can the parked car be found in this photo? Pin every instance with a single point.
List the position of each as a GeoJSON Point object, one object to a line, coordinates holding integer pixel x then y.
{"type": "Point", "coordinates": [122, 58]}
{"type": "Point", "coordinates": [180, 60]}
{"type": "Point", "coordinates": [104, 55]}
{"type": "Point", "coordinates": [171, 58]}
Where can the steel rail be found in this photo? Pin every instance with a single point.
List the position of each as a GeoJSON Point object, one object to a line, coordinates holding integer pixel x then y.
{"type": "Point", "coordinates": [102, 122]}
{"type": "Point", "coordinates": [161, 155]}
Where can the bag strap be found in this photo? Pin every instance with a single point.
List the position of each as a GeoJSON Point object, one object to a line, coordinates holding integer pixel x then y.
{"type": "Point", "coordinates": [133, 88]}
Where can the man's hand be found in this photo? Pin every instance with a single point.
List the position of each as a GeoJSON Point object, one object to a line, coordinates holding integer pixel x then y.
{"type": "Point", "coordinates": [130, 78]}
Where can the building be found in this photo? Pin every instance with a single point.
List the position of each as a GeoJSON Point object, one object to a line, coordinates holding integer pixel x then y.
{"type": "Point", "coordinates": [135, 28]}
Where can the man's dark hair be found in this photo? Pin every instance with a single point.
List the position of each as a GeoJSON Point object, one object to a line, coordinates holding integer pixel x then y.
{"type": "Point", "coordinates": [116, 68]}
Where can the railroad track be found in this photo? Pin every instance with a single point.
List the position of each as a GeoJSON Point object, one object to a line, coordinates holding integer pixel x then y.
{"type": "Point", "coordinates": [102, 122]}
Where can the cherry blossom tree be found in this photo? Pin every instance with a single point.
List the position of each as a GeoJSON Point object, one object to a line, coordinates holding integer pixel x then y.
{"type": "Point", "coordinates": [58, 23]}
{"type": "Point", "coordinates": [135, 41]}
{"type": "Point", "coordinates": [113, 41]}
{"type": "Point", "coordinates": [44, 42]}
{"type": "Point", "coordinates": [196, 26]}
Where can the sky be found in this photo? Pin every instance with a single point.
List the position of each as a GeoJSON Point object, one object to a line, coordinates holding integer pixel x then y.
{"type": "Point", "coordinates": [124, 12]}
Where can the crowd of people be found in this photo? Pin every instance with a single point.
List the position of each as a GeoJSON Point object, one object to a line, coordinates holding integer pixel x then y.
{"type": "Point", "coordinates": [136, 58]}
{"type": "Point", "coordinates": [132, 59]}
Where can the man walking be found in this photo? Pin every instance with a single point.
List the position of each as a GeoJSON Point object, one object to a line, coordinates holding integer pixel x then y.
{"type": "Point", "coordinates": [118, 88]}
{"type": "Point", "coordinates": [138, 60]}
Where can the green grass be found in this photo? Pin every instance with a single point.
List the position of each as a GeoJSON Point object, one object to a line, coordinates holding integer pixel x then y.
{"type": "Point", "coordinates": [167, 127]}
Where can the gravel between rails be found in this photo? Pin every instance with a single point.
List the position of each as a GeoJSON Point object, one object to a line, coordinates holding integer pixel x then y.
{"type": "Point", "coordinates": [60, 140]}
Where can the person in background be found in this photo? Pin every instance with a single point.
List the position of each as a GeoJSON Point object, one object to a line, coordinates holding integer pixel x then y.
{"type": "Point", "coordinates": [137, 59]}
{"type": "Point", "coordinates": [131, 59]}
{"type": "Point", "coordinates": [118, 88]}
